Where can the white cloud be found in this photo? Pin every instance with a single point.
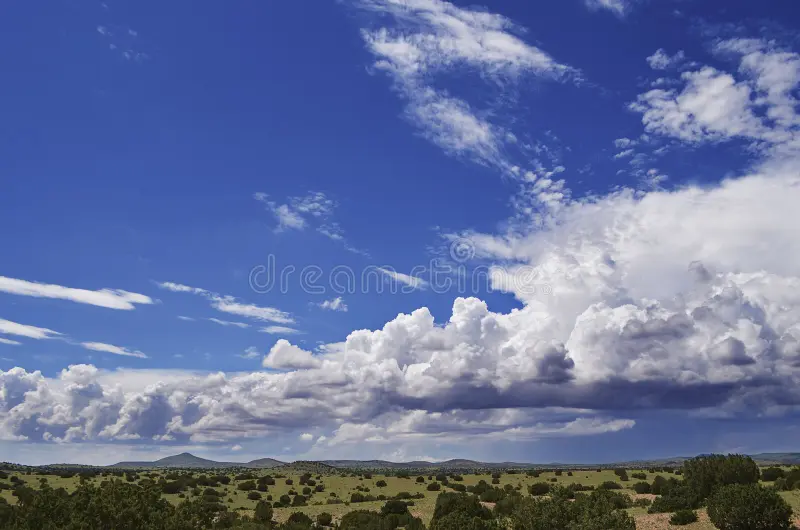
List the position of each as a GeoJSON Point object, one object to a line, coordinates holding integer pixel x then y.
{"type": "Point", "coordinates": [661, 60]}
{"type": "Point", "coordinates": [229, 323]}
{"type": "Point", "coordinates": [411, 281]}
{"type": "Point", "coordinates": [186, 319]}
{"type": "Point", "coordinates": [280, 330]}
{"type": "Point", "coordinates": [110, 348]}
{"type": "Point", "coordinates": [300, 212]}
{"type": "Point", "coordinates": [250, 353]}
{"type": "Point", "coordinates": [306, 437]}
{"type": "Point", "coordinates": [9, 342]}
{"type": "Point", "coordinates": [335, 304]}
{"type": "Point", "coordinates": [230, 305]}
{"type": "Point", "coordinates": [285, 356]}
{"type": "Point", "coordinates": [109, 298]}
{"type": "Point", "coordinates": [21, 330]}
{"type": "Point", "coordinates": [759, 106]}
{"type": "Point", "coordinates": [434, 36]}
{"type": "Point", "coordinates": [619, 7]}
{"type": "Point", "coordinates": [236, 447]}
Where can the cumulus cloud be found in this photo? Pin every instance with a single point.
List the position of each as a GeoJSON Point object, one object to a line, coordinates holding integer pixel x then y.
{"type": "Point", "coordinates": [230, 305]}
{"type": "Point", "coordinates": [683, 299]}
{"type": "Point", "coordinates": [335, 304]}
{"type": "Point", "coordinates": [430, 37]}
{"type": "Point", "coordinates": [286, 356]}
{"type": "Point", "coordinates": [110, 348]}
{"type": "Point", "coordinates": [306, 437]}
{"type": "Point", "coordinates": [108, 298]}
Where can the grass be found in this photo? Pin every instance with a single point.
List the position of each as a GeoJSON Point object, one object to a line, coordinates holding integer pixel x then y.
{"type": "Point", "coordinates": [344, 486]}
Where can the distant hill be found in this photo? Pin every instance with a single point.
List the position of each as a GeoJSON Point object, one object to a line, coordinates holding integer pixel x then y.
{"type": "Point", "coordinates": [302, 466]}
{"type": "Point", "coordinates": [188, 460]}
{"type": "Point", "coordinates": [265, 463]}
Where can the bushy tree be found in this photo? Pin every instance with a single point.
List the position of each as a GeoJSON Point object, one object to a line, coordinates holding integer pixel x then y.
{"type": "Point", "coordinates": [748, 507]}
{"type": "Point", "coordinates": [263, 512]}
{"type": "Point", "coordinates": [324, 519]}
{"type": "Point", "coordinates": [704, 474]}
{"type": "Point", "coordinates": [683, 517]}
{"type": "Point", "coordinates": [771, 474]}
{"type": "Point", "coordinates": [641, 487]}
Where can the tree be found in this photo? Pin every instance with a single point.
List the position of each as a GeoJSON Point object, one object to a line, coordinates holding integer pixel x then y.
{"type": "Point", "coordinates": [434, 486]}
{"type": "Point", "coordinates": [748, 507]}
{"type": "Point", "coordinates": [641, 487]}
{"type": "Point", "coordinates": [361, 520]}
{"type": "Point", "coordinates": [704, 474]}
{"type": "Point", "coordinates": [263, 512]}
{"type": "Point", "coordinates": [381, 483]}
{"type": "Point", "coordinates": [324, 519]}
{"type": "Point", "coordinates": [539, 488]}
{"type": "Point", "coordinates": [771, 474]}
{"type": "Point", "coordinates": [683, 517]}
{"type": "Point", "coordinates": [447, 503]}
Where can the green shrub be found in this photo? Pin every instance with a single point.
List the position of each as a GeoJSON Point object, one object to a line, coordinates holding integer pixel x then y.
{"type": "Point", "coordinates": [771, 474]}
{"type": "Point", "coordinates": [324, 519]}
{"type": "Point", "coordinates": [683, 517]}
{"type": "Point", "coordinates": [748, 507]}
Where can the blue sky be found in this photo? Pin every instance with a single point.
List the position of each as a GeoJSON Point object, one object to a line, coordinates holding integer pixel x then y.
{"type": "Point", "coordinates": [613, 181]}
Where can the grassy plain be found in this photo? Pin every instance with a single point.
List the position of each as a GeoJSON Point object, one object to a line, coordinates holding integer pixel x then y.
{"type": "Point", "coordinates": [341, 485]}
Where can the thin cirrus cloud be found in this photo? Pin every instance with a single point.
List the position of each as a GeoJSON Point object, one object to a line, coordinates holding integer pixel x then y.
{"type": "Point", "coordinates": [315, 209]}
{"type": "Point", "coordinates": [619, 8]}
{"type": "Point", "coordinates": [227, 323]}
{"type": "Point", "coordinates": [405, 279]}
{"type": "Point", "coordinates": [434, 37]}
{"type": "Point", "coordinates": [108, 298]}
{"type": "Point", "coordinates": [230, 305]}
{"type": "Point", "coordinates": [22, 330]}
{"type": "Point", "coordinates": [280, 330]}
{"type": "Point", "coordinates": [10, 342]}
{"type": "Point", "coordinates": [115, 350]}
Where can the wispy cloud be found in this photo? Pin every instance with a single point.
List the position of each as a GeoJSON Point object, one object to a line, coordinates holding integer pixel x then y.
{"type": "Point", "coordinates": [110, 348]}
{"type": "Point", "coordinates": [229, 323]}
{"type": "Point", "coordinates": [661, 60]}
{"type": "Point", "coordinates": [313, 210]}
{"type": "Point", "coordinates": [109, 298]}
{"type": "Point", "coordinates": [336, 304]}
{"type": "Point", "coordinates": [619, 7]}
{"type": "Point", "coordinates": [10, 342]}
{"type": "Point", "coordinates": [411, 281]}
{"type": "Point", "coordinates": [230, 305]}
{"type": "Point", "coordinates": [431, 37]}
{"type": "Point", "coordinates": [21, 330]}
{"type": "Point", "coordinates": [280, 330]}
{"type": "Point", "coordinates": [250, 353]}
{"type": "Point", "coordinates": [186, 319]}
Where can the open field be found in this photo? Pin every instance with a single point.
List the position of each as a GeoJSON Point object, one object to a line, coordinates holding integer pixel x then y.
{"type": "Point", "coordinates": [331, 492]}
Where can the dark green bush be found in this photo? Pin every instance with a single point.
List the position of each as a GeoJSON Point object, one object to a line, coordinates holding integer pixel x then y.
{"type": "Point", "coordinates": [683, 517]}
{"type": "Point", "coordinates": [748, 507]}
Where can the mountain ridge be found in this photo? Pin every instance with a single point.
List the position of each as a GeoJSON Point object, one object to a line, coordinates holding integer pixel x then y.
{"type": "Point", "coordinates": [188, 460]}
